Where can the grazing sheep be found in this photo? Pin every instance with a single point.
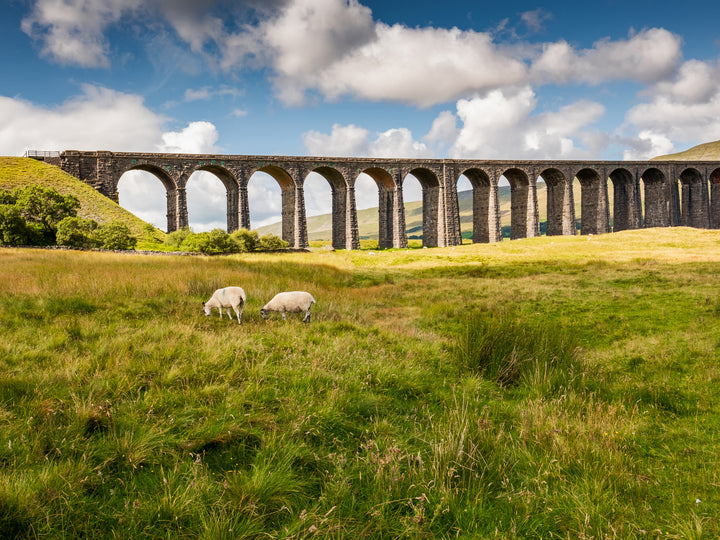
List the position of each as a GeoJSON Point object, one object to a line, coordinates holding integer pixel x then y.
{"type": "Point", "coordinates": [289, 302]}
{"type": "Point", "coordinates": [229, 297]}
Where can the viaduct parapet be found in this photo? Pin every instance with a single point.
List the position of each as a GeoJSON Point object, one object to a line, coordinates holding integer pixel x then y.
{"type": "Point", "coordinates": [645, 193]}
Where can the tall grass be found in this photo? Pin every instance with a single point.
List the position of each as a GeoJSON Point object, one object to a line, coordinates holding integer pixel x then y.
{"type": "Point", "coordinates": [548, 388]}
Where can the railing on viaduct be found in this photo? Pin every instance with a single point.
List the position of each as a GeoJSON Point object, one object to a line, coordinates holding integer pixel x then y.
{"type": "Point", "coordinates": [645, 193]}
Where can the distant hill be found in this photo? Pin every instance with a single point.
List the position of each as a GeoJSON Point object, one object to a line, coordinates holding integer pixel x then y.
{"type": "Point", "coordinates": [702, 152]}
{"type": "Point", "coordinates": [18, 172]}
{"type": "Point", "coordinates": [320, 227]}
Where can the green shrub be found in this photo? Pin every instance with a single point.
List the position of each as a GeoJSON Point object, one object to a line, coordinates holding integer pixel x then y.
{"type": "Point", "coordinates": [13, 229]}
{"type": "Point", "coordinates": [176, 238]}
{"type": "Point", "coordinates": [213, 242]}
{"type": "Point", "coordinates": [114, 235]}
{"type": "Point", "coordinates": [76, 232]}
{"type": "Point", "coordinates": [7, 197]}
{"type": "Point", "coordinates": [271, 242]}
{"type": "Point", "coordinates": [245, 239]}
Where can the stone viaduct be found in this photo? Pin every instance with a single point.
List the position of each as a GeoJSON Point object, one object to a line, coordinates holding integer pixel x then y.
{"type": "Point", "coordinates": [645, 193]}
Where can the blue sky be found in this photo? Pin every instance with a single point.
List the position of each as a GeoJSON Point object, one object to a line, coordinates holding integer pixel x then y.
{"type": "Point", "coordinates": [604, 80]}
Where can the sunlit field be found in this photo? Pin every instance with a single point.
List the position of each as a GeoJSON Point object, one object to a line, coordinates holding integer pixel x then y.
{"type": "Point", "coordinates": [556, 387]}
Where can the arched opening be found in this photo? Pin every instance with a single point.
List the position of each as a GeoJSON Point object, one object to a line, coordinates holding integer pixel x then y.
{"type": "Point", "coordinates": [326, 194]}
{"type": "Point", "coordinates": [390, 230]}
{"type": "Point", "coordinates": [264, 196]}
{"type": "Point", "coordinates": [557, 215]}
{"type": "Point", "coordinates": [288, 230]}
{"type": "Point", "coordinates": [150, 194]}
{"type": "Point", "coordinates": [478, 215]}
{"type": "Point", "coordinates": [656, 204]}
{"type": "Point", "coordinates": [625, 203]}
{"type": "Point", "coordinates": [523, 205]}
{"type": "Point", "coordinates": [317, 194]}
{"type": "Point", "coordinates": [211, 195]}
{"type": "Point", "coordinates": [715, 199]}
{"type": "Point", "coordinates": [594, 212]}
{"type": "Point", "coordinates": [412, 197]}
{"type": "Point", "coordinates": [694, 200]}
{"type": "Point", "coordinates": [429, 210]}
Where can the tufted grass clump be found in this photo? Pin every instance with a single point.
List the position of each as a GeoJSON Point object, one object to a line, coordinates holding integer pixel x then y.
{"type": "Point", "coordinates": [511, 351]}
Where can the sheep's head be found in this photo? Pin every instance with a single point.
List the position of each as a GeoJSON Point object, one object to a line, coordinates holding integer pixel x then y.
{"type": "Point", "coordinates": [264, 313]}
{"type": "Point", "coordinates": [206, 309]}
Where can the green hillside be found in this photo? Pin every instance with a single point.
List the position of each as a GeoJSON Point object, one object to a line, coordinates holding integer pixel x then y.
{"type": "Point", "coordinates": [320, 227]}
{"type": "Point", "coordinates": [702, 152]}
{"type": "Point", "coordinates": [17, 172]}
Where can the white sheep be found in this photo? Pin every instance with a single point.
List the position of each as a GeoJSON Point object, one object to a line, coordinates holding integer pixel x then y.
{"type": "Point", "coordinates": [289, 302]}
{"type": "Point", "coordinates": [229, 297]}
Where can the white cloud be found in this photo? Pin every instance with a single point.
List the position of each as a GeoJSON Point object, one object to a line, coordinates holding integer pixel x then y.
{"type": "Point", "coordinates": [535, 19]}
{"type": "Point", "coordinates": [355, 141]}
{"type": "Point", "coordinates": [195, 138]}
{"type": "Point", "coordinates": [682, 110]}
{"type": "Point", "coordinates": [97, 119]}
{"type": "Point", "coordinates": [647, 56]}
{"type": "Point", "coordinates": [421, 66]}
{"type": "Point", "coordinates": [501, 124]}
{"type": "Point", "coordinates": [72, 31]}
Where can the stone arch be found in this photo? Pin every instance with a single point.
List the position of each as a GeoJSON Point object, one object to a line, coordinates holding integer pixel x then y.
{"type": "Point", "coordinates": [431, 201]}
{"type": "Point", "coordinates": [289, 212]}
{"type": "Point", "coordinates": [524, 221]}
{"type": "Point", "coordinates": [715, 199]}
{"type": "Point", "coordinates": [693, 199]}
{"type": "Point", "coordinates": [484, 206]}
{"type": "Point", "coordinates": [176, 215]}
{"type": "Point", "coordinates": [343, 215]}
{"type": "Point", "coordinates": [593, 202]}
{"type": "Point", "coordinates": [391, 214]}
{"type": "Point", "coordinates": [232, 190]}
{"type": "Point", "coordinates": [560, 211]}
{"type": "Point", "coordinates": [626, 203]}
{"type": "Point", "coordinates": [656, 201]}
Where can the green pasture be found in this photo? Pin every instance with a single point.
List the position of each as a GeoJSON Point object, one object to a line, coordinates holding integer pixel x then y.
{"type": "Point", "coordinates": [556, 387]}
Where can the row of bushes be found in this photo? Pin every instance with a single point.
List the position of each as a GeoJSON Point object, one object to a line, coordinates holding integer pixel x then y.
{"type": "Point", "coordinates": [218, 241]}
{"type": "Point", "coordinates": [39, 216]}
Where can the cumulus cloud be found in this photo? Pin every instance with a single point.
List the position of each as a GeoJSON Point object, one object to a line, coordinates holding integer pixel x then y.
{"type": "Point", "coordinates": [647, 56]}
{"type": "Point", "coordinates": [97, 119]}
{"type": "Point", "coordinates": [335, 48]}
{"type": "Point", "coordinates": [72, 31]}
{"type": "Point", "coordinates": [683, 109]}
{"type": "Point", "coordinates": [501, 124]}
{"type": "Point", "coordinates": [356, 141]}
{"type": "Point", "coordinates": [195, 138]}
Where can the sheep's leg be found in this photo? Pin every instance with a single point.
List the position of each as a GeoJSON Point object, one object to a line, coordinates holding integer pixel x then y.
{"type": "Point", "coordinates": [307, 316]}
{"type": "Point", "coordinates": [283, 315]}
{"type": "Point", "coordinates": [238, 313]}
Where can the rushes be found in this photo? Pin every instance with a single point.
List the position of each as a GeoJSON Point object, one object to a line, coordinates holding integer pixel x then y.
{"type": "Point", "coordinates": [510, 352]}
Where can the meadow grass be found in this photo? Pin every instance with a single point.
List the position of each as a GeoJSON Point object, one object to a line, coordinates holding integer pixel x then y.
{"type": "Point", "coordinates": [540, 388]}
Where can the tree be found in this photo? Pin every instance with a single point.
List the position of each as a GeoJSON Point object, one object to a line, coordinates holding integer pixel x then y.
{"type": "Point", "coordinates": [13, 229]}
{"type": "Point", "coordinates": [114, 235]}
{"type": "Point", "coordinates": [45, 206]}
{"type": "Point", "coordinates": [76, 232]}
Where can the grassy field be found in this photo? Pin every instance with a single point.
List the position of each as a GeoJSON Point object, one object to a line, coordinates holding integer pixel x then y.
{"type": "Point", "coordinates": [562, 387]}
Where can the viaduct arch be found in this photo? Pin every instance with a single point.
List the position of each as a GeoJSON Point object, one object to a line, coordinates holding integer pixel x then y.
{"type": "Point", "coordinates": [645, 193]}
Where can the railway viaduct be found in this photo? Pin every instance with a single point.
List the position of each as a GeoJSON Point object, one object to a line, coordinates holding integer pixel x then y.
{"type": "Point", "coordinates": [645, 193]}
